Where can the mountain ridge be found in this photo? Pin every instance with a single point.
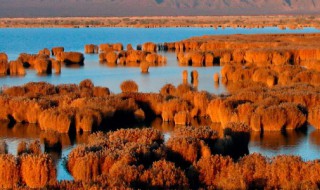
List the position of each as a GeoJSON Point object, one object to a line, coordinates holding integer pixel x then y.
{"type": "Point", "coordinates": [75, 8]}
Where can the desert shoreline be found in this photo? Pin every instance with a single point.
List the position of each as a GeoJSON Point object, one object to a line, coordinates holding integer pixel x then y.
{"type": "Point", "coordinates": [280, 21]}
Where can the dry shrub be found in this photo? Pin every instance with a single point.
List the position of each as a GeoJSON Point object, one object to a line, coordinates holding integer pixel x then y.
{"type": "Point", "coordinates": [171, 107]}
{"type": "Point", "coordinates": [258, 56]}
{"type": "Point", "coordinates": [204, 133]}
{"type": "Point", "coordinates": [164, 174]}
{"type": "Point", "coordinates": [56, 65]}
{"type": "Point", "coordinates": [117, 46]}
{"type": "Point", "coordinates": [149, 47]}
{"type": "Point", "coordinates": [135, 56]}
{"type": "Point", "coordinates": [3, 147]}
{"type": "Point", "coordinates": [295, 117]}
{"type": "Point", "coordinates": [183, 89]}
{"type": "Point", "coordinates": [231, 178]}
{"type": "Point", "coordinates": [4, 64]}
{"type": "Point", "coordinates": [285, 172]}
{"type": "Point", "coordinates": [111, 57]}
{"type": "Point", "coordinates": [98, 139]}
{"type": "Point", "coordinates": [254, 169]}
{"type": "Point", "coordinates": [144, 136]}
{"type": "Point", "coordinates": [186, 150]}
{"type": "Point", "coordinates": [123, 174]}
{"type": "Point", "coordinates": [87, 120]}
{"type": "Point", "coordinates": [3, 56]}
{"type": "Point", "coordinates": [129, 86]}
{"type": "Point", "coordinates": [129, 47]}
{"type": "Point", "coordinates": [40, 88]}
{"type": "Point", "coordinates": [84, 163]}
{"type": "Point", "coordinates": [313, 117]}
{"type": "Point", "coordinates": [273, 118]}
{"type": "Point", "coordinates": [225, 58]}
{"type": "Point", "coordinates": [144, 67]}
{"type": "Point", "coordinates": [60, 120]}
{"type": "Point", "coordinates": [168, 89]}
{"type": "Point", "coordinates": [182, 118]}
{"type": "Point", "coordinates": [209, 169]}
{"type": "Point", "coordinates": [197, 59]}
{"type": "Point", "coordinates": [44, 51]}
{"type": "Point", "coordinates": [213, 109]}
{"type": "Point", "coordinates": [101, 91]}
{"type": "Point", "coordinates": [16, 68]}
{"type": "Point", "coordinates": [91, 48]}
{"type": "Point", "coordinates": [43, 66]}
{"type": "Point", "coordinates": [70, 58]}
{"type": "Point", "coordinates": [86, 83]}
{"type": "Point", "coordinates": [37, 171]}
{"type": "Point", "coordinates": [209, 59]}
{"type": "Point", "coordinates": [56, 50]}
{"type": "Point", "coordinates": [9, 172]}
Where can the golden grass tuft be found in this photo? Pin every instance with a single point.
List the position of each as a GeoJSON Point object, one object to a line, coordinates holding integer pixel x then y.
{"type": "Point", "coordinates": [37, 171]}
{"type": "Point", "coordinates": [129, 86]}
{"type": "Point", "coordinates": [9, 172]}
{"type": "Point", "coordinates": [164, 174]}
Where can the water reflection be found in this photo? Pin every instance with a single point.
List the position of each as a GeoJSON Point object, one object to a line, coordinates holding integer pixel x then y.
{"type": "Point", "coordinates": [301, 143]}
{"type": "Point", "coordinates": [57, 145]}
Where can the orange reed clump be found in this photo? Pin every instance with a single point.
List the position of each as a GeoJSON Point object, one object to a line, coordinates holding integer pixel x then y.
{"type": "Point", "coordinates": [37, 171]}
{"type": "Point", "coordinates": [129, 86]}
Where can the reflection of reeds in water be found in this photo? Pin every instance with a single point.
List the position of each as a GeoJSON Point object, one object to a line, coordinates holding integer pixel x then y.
{"type": "Point", "coordinates": [32, 131]}
{"type": "Point", "coordinates": [276, 140]}
{"type": "Point", "coordinates": [315, 137]}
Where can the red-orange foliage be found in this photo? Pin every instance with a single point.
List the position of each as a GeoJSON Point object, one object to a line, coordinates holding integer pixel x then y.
{"type": "Point", "coordinates": [209, 169]}
{"type": "Point", "coordinates": [60, 120]}
{"type": "Point", "coordinates": [37, 171]}
{"type": "Point", "coordinates": [16, 68]}
{"type": "Point", "coordinates": [190, 149]}
{"type": "Point", "coordinates": [164, 174]}
{"type": "Point", "coordinates": [9, 171]}
{"type": "Point", "coordinates": [149, 47]}
{"type": "Point", "coordinates": [56, 50]}
{"type": "Point", "coordinates": [168, 89]}
{"type": "Point", "coordinates": [144, 136]}
{"type": "Point", "coordinates": [91, 48]}
{"type": "Point", "coordinates": [129, 86]}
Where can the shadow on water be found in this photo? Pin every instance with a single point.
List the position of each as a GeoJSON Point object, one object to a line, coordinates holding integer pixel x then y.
{"type": "Point", "coordinates": [303, 143]}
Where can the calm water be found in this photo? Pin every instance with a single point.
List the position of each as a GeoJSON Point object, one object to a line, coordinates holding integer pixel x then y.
{"type": "Point", "coordinates": [16, 41]}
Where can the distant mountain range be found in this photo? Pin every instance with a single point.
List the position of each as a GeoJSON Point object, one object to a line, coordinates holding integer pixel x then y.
{"type": "Point", "coordinates": [54, 8]}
